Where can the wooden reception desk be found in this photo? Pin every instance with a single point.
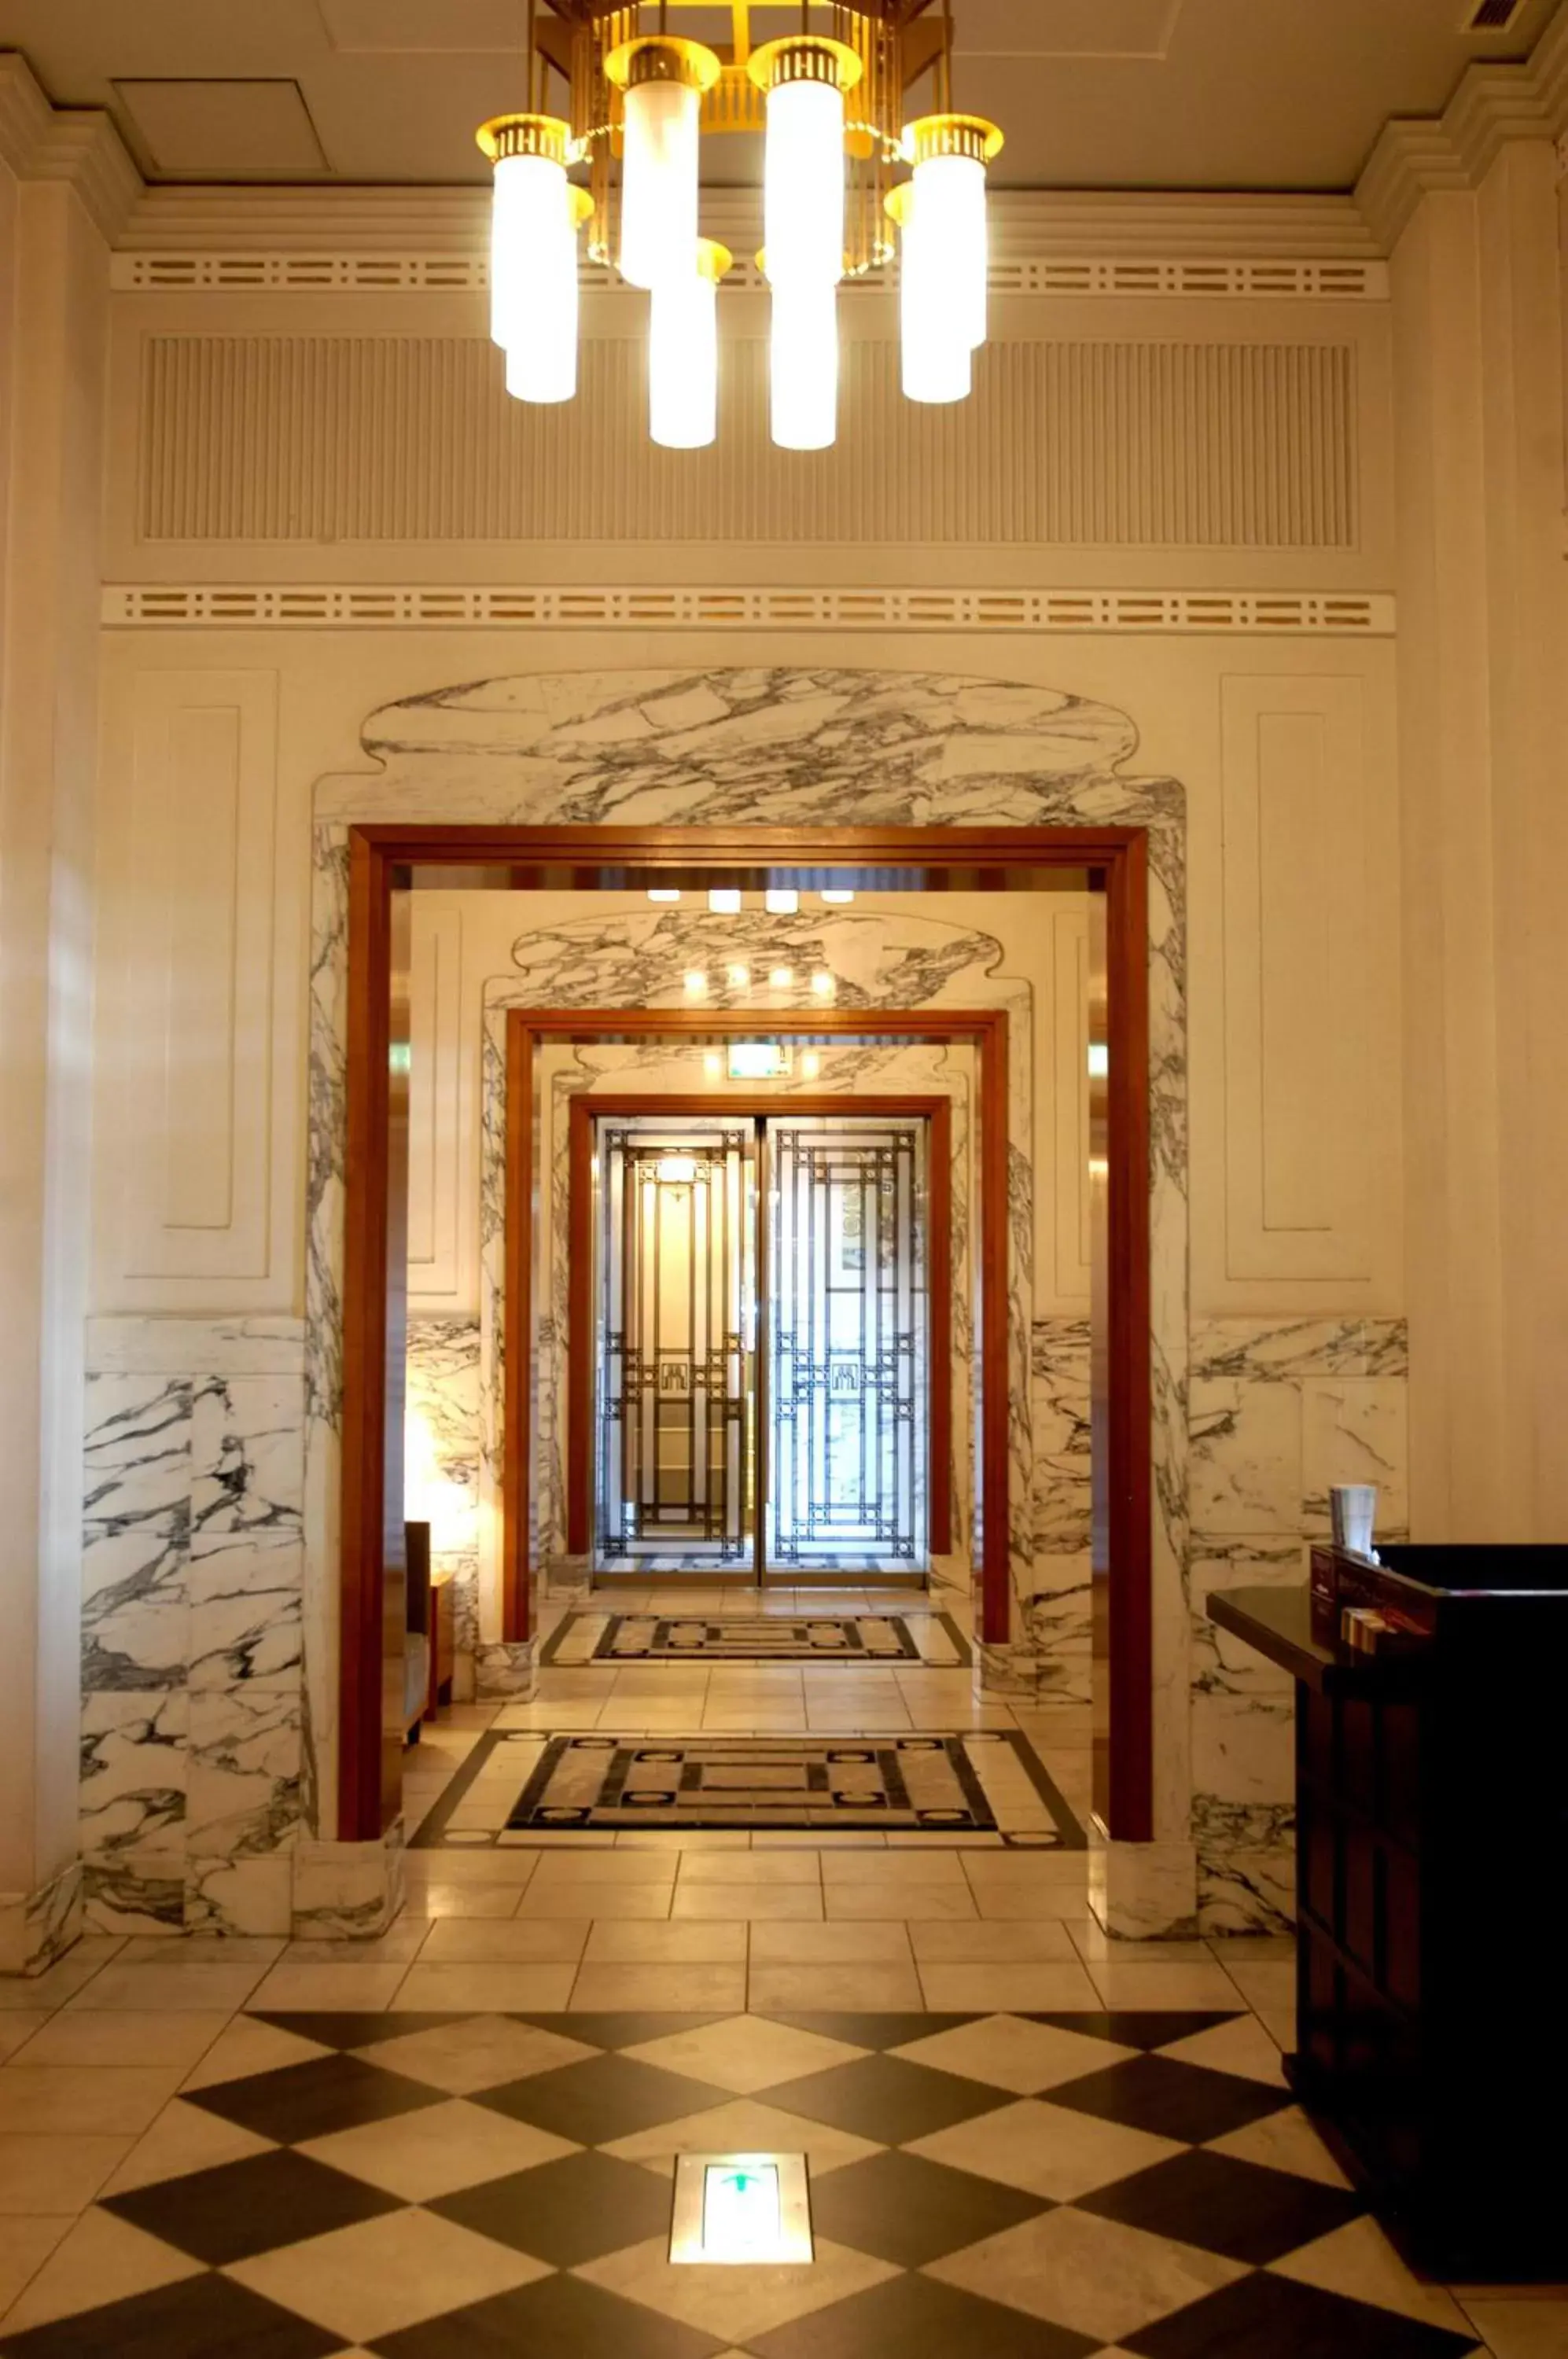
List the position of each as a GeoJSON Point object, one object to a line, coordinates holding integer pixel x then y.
{"type": "Point", "coordinates": [1431, 1865]}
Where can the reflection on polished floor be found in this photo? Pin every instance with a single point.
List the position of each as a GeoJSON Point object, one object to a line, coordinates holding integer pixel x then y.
{"type": "Point", "coordinates": [1025, 2141]}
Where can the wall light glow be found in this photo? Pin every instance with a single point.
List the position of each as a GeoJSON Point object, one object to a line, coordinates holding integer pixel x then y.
{"type": "Point", "coordinates": [822, 984]}
{"type": "Point", "coordinates": [695, 985]}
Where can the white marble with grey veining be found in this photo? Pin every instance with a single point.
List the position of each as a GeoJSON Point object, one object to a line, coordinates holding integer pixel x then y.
{"type": "Point", "coordinates": [443, 1446]}
{"type": "Point", "coordinates": [801, 747]}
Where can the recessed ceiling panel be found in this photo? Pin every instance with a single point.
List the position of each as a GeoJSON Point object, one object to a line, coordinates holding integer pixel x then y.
{"type": "Point", "coordinates": [1066, 28]}
{"type": "Point", "coordinates": [401, 25]}
{"type": "Point", "coordinates": [222, 130]}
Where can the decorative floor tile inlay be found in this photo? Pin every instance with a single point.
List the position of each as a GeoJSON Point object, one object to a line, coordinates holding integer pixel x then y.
{"type": "Point", "coordinates": [933, 1641]}
{"type": "Point", "coordinates": [926, 2240]}
{"type": "Point", "coordinates": [986, 1783]}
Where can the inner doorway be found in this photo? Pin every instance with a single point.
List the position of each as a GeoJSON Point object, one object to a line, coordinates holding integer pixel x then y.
{"type": "Point", "coordinates": [765, 1401]}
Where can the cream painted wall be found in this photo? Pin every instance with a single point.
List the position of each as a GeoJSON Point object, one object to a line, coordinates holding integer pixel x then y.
{"type": "Point", "coordinates": [53, 323]}
{"type": "Point", "coordinates": [1285, 749]}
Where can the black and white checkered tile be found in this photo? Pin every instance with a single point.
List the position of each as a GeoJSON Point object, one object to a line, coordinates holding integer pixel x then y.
{"type": "Point", "coordinates": [1003, 2187]}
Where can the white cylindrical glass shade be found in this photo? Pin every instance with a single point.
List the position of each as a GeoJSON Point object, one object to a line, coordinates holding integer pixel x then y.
{"type": "Point", "coordinates": [538, 307]}
{"type": "Point", "coordinates": [659, 182]}
{"type": "Point", "coordinates": [803, 184]}
{"type": "Point", "coordinates": [935, 347]}
{"type": "Point", "coordinates": [804, 366]}
{"type": "Point", "coordinates": [527, 216]}
{"type": "Point", "coordinates": [950, 199]}
{"type": "Point", "coordinates": [684, 361]}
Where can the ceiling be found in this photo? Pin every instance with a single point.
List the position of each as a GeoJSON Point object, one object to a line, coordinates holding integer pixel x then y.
{"type": "Point", "coordinates": [1267, 94]}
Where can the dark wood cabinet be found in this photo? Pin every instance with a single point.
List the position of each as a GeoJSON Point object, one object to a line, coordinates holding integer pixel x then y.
{"type": "Point", "coordinates": [1431, 1919]}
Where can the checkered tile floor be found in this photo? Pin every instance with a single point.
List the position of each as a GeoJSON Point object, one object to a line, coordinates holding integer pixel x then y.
{"type": "Point", "coordinates": [983, 2187]}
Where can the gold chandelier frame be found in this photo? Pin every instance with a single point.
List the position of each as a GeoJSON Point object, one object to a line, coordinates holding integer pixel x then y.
{"type": "Point", "coordinates": [876, 49]}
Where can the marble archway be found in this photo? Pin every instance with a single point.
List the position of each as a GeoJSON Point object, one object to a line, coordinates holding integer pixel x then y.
{"type": "Point", "coordinates": [777, 746]}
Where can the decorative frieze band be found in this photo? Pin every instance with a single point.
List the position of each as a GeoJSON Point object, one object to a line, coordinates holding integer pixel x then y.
{"type": "Point", "coordinates": [1191, 278]}
{"type": "Point", "coordinates": [311, 606]}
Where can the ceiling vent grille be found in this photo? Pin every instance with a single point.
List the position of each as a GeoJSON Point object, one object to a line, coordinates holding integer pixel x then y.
{"type": "Point", "coordinates": [1491, 16]}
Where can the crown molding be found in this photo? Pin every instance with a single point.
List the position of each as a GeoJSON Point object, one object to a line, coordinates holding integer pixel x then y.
{"type": "Point", "coordinates": [1028, 226]}
{"type": "Point", "coordinates": [78, 144]}
{"type": "Point", "coordinates": [1491, 106]}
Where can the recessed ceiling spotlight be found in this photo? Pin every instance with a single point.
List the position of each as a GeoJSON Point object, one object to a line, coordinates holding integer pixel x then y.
{"type": "Point", "coordinates": [723, 901]}
{"type": "Point", "coordinates": [713, 1064]}
{"type": "Point", "coordinates": [782, 977]}
{"type": "Point", "coordinates": [664, 892]}
{"type": "Point", "coordinates": [696, 984]}
{"type": "Point", "coordinates": [835, 900]}
{"type": "Point", "coordinates": [822, 984]}
{"type": "Point", "coordinates": [811, 1064]}
{"type": "Point", "coordinates": [782, 903]}
{"type": "Point", "coordinates": [737, 976]}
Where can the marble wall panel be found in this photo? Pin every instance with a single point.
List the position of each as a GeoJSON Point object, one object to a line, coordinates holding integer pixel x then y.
{"type": "Point", "coordinates": [1280, 1409]}
{"type": "Point", "coordinates": [801, 747]}
{"type": "Point", "coordinates": [193, 1553]}
{"type": "Point", "coordinates": [443, 1446]}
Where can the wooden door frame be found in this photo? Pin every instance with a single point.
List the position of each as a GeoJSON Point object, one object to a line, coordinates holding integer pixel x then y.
{"type": "Point", "coordinates": [983, 1029]}
{"type": "Point", "coordinates": [752, 1105]}
{"type": "Point", "coordinates": [391, 855]}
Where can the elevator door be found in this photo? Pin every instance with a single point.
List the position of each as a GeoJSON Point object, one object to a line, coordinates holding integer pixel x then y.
{"type": "Point", "coordinates": [762, 1397]}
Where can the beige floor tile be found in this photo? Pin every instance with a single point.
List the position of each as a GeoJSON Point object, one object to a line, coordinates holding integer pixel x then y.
{"type": "Point", "coordinates": [57, 1984]}
{"type": "Point", "coordinates": [1279, 2023]}
{"type": "Point", "coordinates": [72, 2100]}
{"type": "Point", "coordinates": [993, 1865]}
{"type": "Point", "coordinates": [748, 2125]}
{"type": "Point", "coordinates": [1159, 1988]}
{"type": "Point", "coordinates": [679, 1987]}
{"type": "Point", "coordinates": [486, 1990]}
{"type": "Point", "coordinates": [1011, 2054]}
{"type": "Point", "coordinates": [1098, 1947]}
{"type": "Point", "coordinates": [423, 2154]}
{"type": "Point", "coordinates": [1048, 2150]}
{"type": "Point", "coordinates": [1013, 1904]}
{"type": "Point", "coordinates": [484, 1867]}
{"type": "Point", "coordinates": [744, 2054]}
{"type": "Point", "coordinates": [184, 2138]}
{"type": "Point", "coordinates": [1010, 1989]}
{"type": "Point", "coordinates": [1262, 1986]}
{"type": "Point", "coordinates": [903, 1903]}
{"type": "Point", "coordinates": [25, 2246]}
{"type": "Point", "coordinates": [85, 2037]}
{"type": "Point", "coordinates": [747, 1900]}
{"type": "Point", "coordinates": [850, 1941]}
{"type": "Point", "coordinates": [1519, 2329]}
{"type": "Point", "coordinates": [1360, 2262]}
{"type": "Point", "coordinates": [518, 1942]}
{"type": "Point", "coordinates": [1229, 1950]}
{"type": "Point", "coordinates": [1242, 2046]}
{"type": "Point", "coordinates": [753, 1866]}
{"type": "Point", "coordinates": [368, 2281]}
{"type": "Point", "coordinates": [694, 1942]}
{"type": "Point", "coordinates": [1283, 2141]}
{"type": "Point", "coordinates": [1095, 2276]}
{"type": "Point", "coordinates": [172, 1989]}
{"type": "Point", "coordinates": [16, 2029]}
{"type": "Point", "coordinates": [977, 1942]}
{"type": "Point", "coordinates": [103, 2259]}
{"type": "Point", "coordinates": [896, 1868]}
{"type": "Point", "coordinates": [610, 1866]}
{"type": "Point", "coordinates": [683, 1838]}
{"type": "Point", "coordinates": [203, 1949]}
{"type": "Point", "coordinates": [55, 2174]}
{"type": "Point", "coordinates": [857, 1989]}
{"type": "Point", "coordinates": [743, 2301]}
{"type": "Point", "coordinates": [358, 1990]}
{"type": "Point", "coordinates": [246, 2047]}
{"type": "Point", "coordinates": [473, 2053]}
{"type": "Point", "coordinates": [398, 1946]}
{"type": "Point", "coordinates": [487, 1900]}
{"type": "Point", "coordinates": [622, 1903]}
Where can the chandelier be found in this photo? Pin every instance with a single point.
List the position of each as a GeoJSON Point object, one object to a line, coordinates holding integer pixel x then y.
{"type": "Point", "coordinates": [851, 182]}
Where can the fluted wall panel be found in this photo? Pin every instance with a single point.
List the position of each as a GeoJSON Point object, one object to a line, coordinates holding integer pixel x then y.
{"type": "Point", "coordinates": [1088, 443]}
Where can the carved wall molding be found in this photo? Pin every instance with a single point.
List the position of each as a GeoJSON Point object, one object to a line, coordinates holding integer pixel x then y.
{"type": "Point", "coordinates": [1004, 612]}
{"type": "Point", "coordinates": [79, 143]}
{"type": "Point", "coordinates": [1493, 104]}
